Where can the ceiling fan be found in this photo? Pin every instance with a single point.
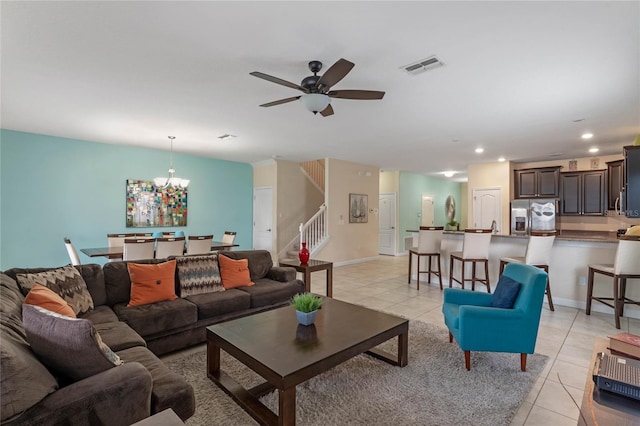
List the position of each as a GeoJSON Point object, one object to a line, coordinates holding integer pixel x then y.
{"type": "Point", "coordinates": [317, 95]}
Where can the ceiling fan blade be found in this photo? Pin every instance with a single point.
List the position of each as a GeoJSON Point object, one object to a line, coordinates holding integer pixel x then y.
{"type": "Point", "coordinates": [278, 81]}
{"type": "Point", "coordinates": [356, 94]}
{"type": "Point", "coordinates": [327, 111]}
{"type": "Point", "coordinates": [281, 101]}
{"type": "Point", "coordinates": [335, 73]}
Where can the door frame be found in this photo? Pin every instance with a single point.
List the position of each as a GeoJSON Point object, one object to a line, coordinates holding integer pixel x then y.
{"type": "Point", "coordinates": [500, 212]}
{"type": "Point", "coordinates": [273, 233]}
{"type": "Point", "coordinates": [395, 222]}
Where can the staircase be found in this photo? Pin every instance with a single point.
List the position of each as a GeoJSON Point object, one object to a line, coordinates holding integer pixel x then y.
{"type": "Point", "coordinates": [314, 170]}
{"type": "Point", "coordinates": [314, 233]}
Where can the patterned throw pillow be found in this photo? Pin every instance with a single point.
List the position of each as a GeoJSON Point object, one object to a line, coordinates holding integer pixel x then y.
{"type": "Point", "coordinates": [199, 274]}
{"type": "Point", "coordinates": [69, 346]}
{"type": "Point", "coordinates": [66, 282]}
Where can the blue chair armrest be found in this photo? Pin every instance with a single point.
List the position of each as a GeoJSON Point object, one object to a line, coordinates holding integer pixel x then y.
{"type": "Point", "coordinates": [457, 296]}
{"type": "Point", "coordinates": [489, 313]}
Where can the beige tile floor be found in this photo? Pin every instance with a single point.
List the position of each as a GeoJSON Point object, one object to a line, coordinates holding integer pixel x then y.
{"type": "Point", "coordinates": [566, 335]}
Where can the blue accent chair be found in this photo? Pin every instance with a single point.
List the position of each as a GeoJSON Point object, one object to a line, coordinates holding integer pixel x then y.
{"type": "Point", "coordinates": [477, 326]}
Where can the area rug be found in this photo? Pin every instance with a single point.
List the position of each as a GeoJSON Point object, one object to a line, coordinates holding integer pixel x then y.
{"type": "Point", "coordinates": [434, 389]}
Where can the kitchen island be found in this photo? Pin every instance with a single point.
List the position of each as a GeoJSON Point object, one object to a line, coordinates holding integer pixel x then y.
{"type": "Point", "coordinates": [573, 251]}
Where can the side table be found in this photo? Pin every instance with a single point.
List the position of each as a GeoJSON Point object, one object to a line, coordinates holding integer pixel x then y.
{"type": "Point", "coordinates": [312, 266]}
{"type": "Point", "coordinates": [602, 407]}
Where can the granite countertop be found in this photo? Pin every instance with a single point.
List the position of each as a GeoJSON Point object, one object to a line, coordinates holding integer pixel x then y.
{"type": "Point", "coordinates": [570, 235]}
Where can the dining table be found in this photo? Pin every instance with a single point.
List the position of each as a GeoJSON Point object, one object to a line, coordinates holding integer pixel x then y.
{"type": "Point", "coordinates": [116, 252]}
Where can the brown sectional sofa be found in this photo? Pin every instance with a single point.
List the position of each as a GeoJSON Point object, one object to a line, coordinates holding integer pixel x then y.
{"type": "Point", "coordinates": [143, 385]}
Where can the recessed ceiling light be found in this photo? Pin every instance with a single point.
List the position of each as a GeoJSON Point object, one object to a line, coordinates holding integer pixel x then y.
{"type": "Point", "coordinates": [587, 135]}
{"type": "Point", "coordinates": [479, 150]}
{"type": "Point", "coordinates": [502, 159]}
{"type": "Point", "coordinates": [449, 173]}
{"type": "Point", "coordinates": [592, 150]}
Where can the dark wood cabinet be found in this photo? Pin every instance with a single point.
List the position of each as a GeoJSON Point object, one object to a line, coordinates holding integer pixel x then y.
{"type": "Point", "coordinates": [632, 181]}
{"type": "Point", "coordinates": [615, 184]}
{"type": "Point", "coordinates": [537, 183]}
{"type": "Point", "coordinates": [583, 193]}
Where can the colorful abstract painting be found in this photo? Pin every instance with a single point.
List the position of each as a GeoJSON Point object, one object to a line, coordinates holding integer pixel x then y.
{"type": "Point", "coordinates": [150, 206]}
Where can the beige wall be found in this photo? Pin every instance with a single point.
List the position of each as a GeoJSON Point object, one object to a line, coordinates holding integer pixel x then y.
{"type": "Point", "coordinates": [389, 181]}
{"type": "Point", "coordinates": [464, 205]}
{"type": "Point", "coordinates": [350, 241]}
{"type": "Point", "coordinates": [490, 175]}
{"type": "Point", "coordinates": [298, 200]}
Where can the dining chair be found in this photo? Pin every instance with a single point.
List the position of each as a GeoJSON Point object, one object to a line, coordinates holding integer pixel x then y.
{"type": "Point", "coordinates": [169, 246]}
{"type": "Point", "coordinates": [538, 254]}
{"type": "Point", "coordinates": [138, 248]}
{"type": "Point", "coordinates": [71, 251]}
{"type": "Point", "coordinates": [475, 249]}
{"type": "Point", "coordinates": [117, 240]}
{"type": "Point", "coordinates": [228, 238]}
{"type": "Point", "coordinates": [625, 265]}
{"type": "Point", "coordinates": [429, 240]}
{"type": "Point", "coordinates": [199, 244]}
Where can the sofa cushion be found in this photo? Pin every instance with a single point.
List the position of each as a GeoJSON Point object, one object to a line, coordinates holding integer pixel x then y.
{"type": "Point", "coordinates": [169, 389]}
{"type": "Point", "coordinates": [505, 294]}
{"type": "Point", "coordinates": [69, 346]}
{"type": "Point", "coordinates": [24, 381]}
{"type": "Point", "coordinates": [46, 298]}
{"type": "Point", "coordinates": [158, 317]}
{"type": "Point", "coordinates": [117, 281]}
{"type": "Point", "coordinates": [198, 274]}
{"type": "Point", "coordinates": [268, 292]}
{"type": "Point", "coordinates": [152, 283]}
{"type": "Point", "coordinates": [66, 281]}
{"type": "Point", "coordinates": [214, 304]}
{"type": "Point", "coordinates": [100, 314]}
{"type": "Point", "coordinates": [118, 335]}
{"type": "Point", "coordinates": [260, 261]}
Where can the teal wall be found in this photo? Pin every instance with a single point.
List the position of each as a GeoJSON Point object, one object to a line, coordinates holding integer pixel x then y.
{"type": "Point", "coordinates": [412, 187]}
{"type": "Point", "coordinates": [51, 188]}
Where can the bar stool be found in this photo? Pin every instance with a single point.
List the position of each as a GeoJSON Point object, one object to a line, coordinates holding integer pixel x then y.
{"type": "Point", "coordinates": [475, 249]}
{"type": "Point", "coordinates": [626, 265]}
{"type": "Point", "coordinates": [538, 254]}
{"type": "Point", "coordinates": [429, 240]}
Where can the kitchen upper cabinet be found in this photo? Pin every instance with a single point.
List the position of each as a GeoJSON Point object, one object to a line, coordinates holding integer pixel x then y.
{"type": "Point", "coordinates": [615, 184]}
{"type": "Point", "coordinates": [583, 193]}
{"type": "Point", "coordinates": [537, 183]}
{"type": "Point", "coordinates": [632, 181]}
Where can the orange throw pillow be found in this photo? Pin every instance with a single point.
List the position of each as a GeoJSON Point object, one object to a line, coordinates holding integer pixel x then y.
{"type": "Point", "coordinates": [234, 273]}
{"type": "Point", "coordinates": [48, 299]}
{"type": "Point", "coordinates": [152, 283]}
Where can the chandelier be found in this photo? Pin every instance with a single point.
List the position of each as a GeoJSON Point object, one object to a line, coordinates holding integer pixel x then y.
{"type": "Point", "coordinates": [171, 181]}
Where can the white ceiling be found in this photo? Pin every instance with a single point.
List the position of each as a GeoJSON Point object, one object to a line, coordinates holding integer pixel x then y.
{"type": "Point", "coordinates": [517, 75]}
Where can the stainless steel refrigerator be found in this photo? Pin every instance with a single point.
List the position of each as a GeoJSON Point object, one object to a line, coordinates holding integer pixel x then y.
{"type": "Point", "coordinates": [533, 215]}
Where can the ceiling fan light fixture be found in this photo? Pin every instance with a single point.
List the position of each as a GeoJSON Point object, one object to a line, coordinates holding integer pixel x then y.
{"type": "Point", "coordinates": [315, 102]}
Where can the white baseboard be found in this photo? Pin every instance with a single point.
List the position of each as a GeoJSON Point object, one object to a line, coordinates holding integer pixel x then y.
{"type": "Point", "coordinates": [354, 261]}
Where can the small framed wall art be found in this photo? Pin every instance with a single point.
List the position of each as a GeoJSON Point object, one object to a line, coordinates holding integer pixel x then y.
{"type": "Point", "coordinates": [358, 208]}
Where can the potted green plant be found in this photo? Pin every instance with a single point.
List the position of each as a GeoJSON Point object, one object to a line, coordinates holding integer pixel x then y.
{"type": "Point", "coordinates": [306, 306]}
{"type": "Point", "coordinates": [453, 225]}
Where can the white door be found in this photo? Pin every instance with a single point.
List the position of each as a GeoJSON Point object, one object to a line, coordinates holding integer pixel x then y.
{"type": "Point", "coordinates": [262, 218]}
{"type": "Point", "coordinates": [387, 224]}
{"type": "Point", "coordinates": [427, 211]}
{"type": "Point", "coordinates": [487, 209]}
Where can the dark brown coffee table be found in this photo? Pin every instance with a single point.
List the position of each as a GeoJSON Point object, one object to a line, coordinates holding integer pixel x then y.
{"type": "Point", "coordinates": [273, 345]}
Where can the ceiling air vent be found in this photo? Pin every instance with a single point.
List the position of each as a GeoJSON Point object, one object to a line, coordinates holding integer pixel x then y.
{"type": "Point", "coordinates": [423, 65]}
